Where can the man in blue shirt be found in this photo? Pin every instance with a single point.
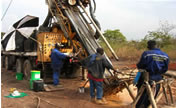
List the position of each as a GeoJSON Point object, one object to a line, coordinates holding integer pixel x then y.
{"type": "Point", "coordinates": [57, 63]}
{"type": "Point", "coordinates": [96, 64]}
{"type": "Point", "coordinates": [156, 63]}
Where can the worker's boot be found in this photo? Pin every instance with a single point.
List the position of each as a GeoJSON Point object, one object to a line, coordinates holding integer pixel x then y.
{"type": "Point", "coordinates": [101, 102]}
{"type": "Point", "coordinates": [92, 99]}
{"type": "Point", "coordinates": [104, 100]}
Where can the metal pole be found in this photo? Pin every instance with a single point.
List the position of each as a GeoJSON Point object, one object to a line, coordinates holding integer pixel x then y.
{"type": "Point", "coordinates": [101, 34]}
{"type": "Point", "coordinates": [165, 94]}
{"type": "Point", "coordinates": [170, 93]}
{"type": "Point", "coordinates": [129, 90]}
{"type": "Point", "coordinates": [6, 10]}
{"type": "Point", "coordinates": [151, 97]}
{"type": "Point", "coordinates": [139, 94]}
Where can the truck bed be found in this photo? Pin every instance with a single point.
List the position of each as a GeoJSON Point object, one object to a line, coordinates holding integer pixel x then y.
{"type": "Point", "coordinates": [20, 53]}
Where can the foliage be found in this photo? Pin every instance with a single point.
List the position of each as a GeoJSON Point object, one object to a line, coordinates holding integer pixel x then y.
{"type": "Point", "coordinates": [163, 35]}
{"type": "Point", "coordinates": [114, 36]}
{"type": "Point", "coordinates": [132, 50]}
{"type": "Point", "coordinates": [2, 34]}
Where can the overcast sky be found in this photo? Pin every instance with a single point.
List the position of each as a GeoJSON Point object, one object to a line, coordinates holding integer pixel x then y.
{"type": "Point", "coordinates": [134, 18]}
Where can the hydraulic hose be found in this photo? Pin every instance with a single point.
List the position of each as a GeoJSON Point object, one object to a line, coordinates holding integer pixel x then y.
{"type": "Point", "coordinates": [99, 31]}
{"type": "Point", "coordinates": [92, 11]}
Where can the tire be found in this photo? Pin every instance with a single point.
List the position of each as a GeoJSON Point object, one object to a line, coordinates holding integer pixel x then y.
{"type": "Point", "coordinates": [8, 65]}
{"type": "Point", "coordinates": [19, 66]}
{"type": "Point", "coordinates": [27, 69]}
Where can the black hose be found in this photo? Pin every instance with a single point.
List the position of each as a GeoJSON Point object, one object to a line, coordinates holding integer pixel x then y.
{"type": "Point", "coordinates": [47, 20]}
{"type": "Point", "coordinates": [94, 6]}
{"type": "Point", "coordinates": [92, 11]}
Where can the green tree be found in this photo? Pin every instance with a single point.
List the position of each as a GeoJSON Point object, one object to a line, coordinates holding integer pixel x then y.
{"type": "Point", "coordinates": [114, 36]}
{"type": "Point", "coordinates": [163, 35]}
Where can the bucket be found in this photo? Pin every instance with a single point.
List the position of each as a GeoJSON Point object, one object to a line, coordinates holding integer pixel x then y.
{"type": "Point", "coordinates": [19, 76]}
{"type": "Point", "coordinates": [35, 75]}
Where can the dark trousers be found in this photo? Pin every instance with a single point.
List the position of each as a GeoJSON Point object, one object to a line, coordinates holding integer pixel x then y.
{"type": "Point", "coordinates": [144, 99]}
{"type": "Point", "coordinates": [56, 73]}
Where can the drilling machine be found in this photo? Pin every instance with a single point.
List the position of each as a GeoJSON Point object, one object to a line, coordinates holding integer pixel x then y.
{"type": "Point", "coordinates": [69, 23]}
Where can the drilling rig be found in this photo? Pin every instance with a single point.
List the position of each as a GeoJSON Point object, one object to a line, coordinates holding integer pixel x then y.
{"type": "Point", "coordinates": [73, 27]}
{"type": "Point", "coordinates": [69, 23]}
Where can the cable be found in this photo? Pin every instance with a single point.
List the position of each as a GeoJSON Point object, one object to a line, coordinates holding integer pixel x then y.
{"type": "Point", "coordinates": [6, 10]}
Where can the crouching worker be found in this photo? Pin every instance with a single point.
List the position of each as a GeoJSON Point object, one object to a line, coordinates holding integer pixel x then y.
{"type": "Point", "coordinates": [96, 64]}
{"type": "Point", "coordinates": [155, 62]}
{"type": "Point", "coordinates": [57, 63]}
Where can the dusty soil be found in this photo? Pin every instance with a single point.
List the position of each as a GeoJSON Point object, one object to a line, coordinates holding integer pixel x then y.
{"type": "Point", "coordinates": [67, 98]}
{"type": "Point", "coordinates": [172, 66]}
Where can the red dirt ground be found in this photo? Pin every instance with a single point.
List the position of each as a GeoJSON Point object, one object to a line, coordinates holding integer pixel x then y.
{"type": "Point", "coordinates": [68, 98]}
{"type": "Point", "coordinates": [172, 66]}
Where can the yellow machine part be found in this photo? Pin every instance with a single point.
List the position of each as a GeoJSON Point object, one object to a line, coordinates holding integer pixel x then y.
{"type": "Point", "coordinates": [77, 46]}
{"type": "Point", "coordinates": [48, 40]}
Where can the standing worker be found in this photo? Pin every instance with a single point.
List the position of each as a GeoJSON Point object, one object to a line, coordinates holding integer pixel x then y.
{"type": "Point", "coordinates": [156, 63]}
{"type": "Point", "coordinates": [57, 63]}
{"type": "Point", "coordinates": [96, 64]}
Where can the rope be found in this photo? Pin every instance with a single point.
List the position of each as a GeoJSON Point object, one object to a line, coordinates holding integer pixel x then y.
{"type": "Point", "coordinates": [50, 103]}
{"type": "Point", "coordinates": [40, 99]}
{"type": "Point", "coordinates": [38, 104]}
{"type": "Point", "coordinates": [6, 10]}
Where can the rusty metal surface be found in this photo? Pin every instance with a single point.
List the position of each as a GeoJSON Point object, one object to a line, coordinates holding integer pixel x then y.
{"type": "Point", "coordinates": [115, 85]}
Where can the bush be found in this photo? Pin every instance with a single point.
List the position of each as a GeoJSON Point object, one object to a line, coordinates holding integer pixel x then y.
{"type": "Point", "coordinates": [132, 50]}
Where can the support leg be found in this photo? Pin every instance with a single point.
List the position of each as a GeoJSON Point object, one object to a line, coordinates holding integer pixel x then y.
{"type": "Point", "coordinates": [130, 91]}
{"type": "Point", "coordinates": [170, 93]}
{"type": "Point", "coordinates": [139, 94]}
{"type": "Point", "coordinates": [151, 97]}
{"type": "Point", "coordinates": [165, 94]}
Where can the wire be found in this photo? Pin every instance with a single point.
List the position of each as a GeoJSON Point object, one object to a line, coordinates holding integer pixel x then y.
{"type": "Point", "coordinates": [6, 10]}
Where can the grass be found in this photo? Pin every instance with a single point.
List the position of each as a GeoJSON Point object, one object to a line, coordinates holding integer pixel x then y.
{"type": "Point", "coordinates": [132, 52]}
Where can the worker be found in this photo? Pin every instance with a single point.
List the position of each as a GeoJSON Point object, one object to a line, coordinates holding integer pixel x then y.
{"type": "Point", "coordinates": [155, 62]}
{"type": "Point", "coordinates": [57, 63]}
{"type": "Point", "coordinates": [96, 64]}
